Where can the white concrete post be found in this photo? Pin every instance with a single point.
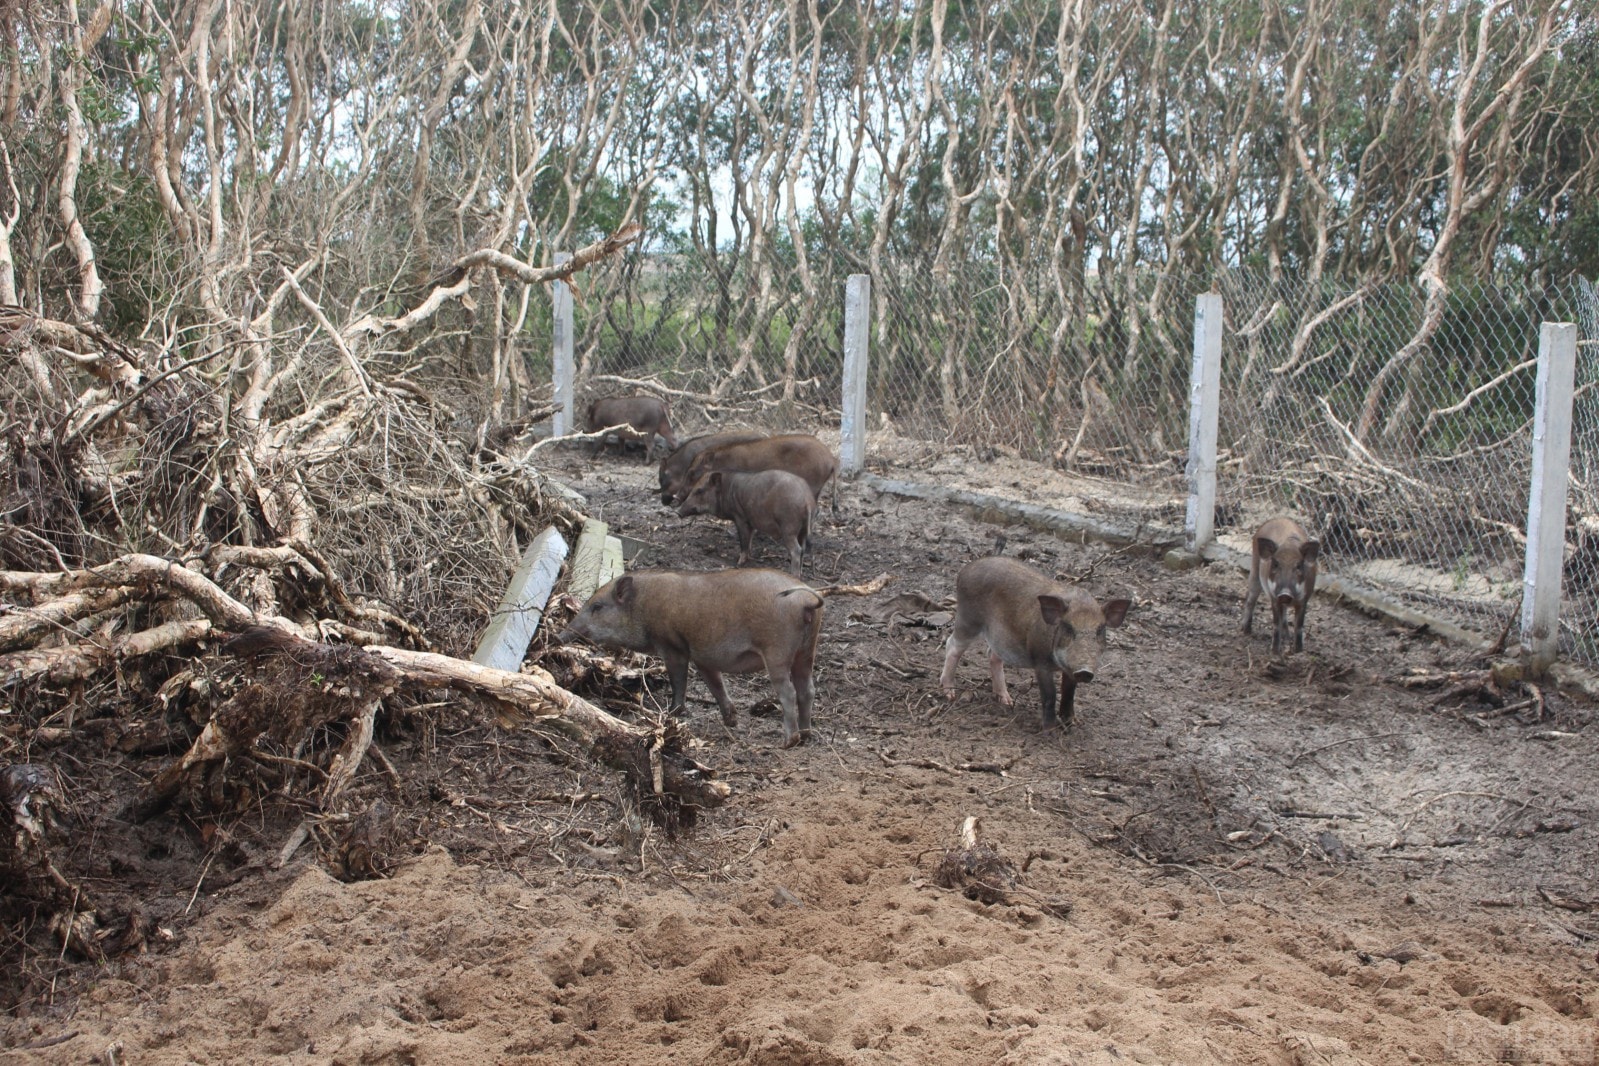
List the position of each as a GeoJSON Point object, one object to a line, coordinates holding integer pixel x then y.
{"type": "Point", "coordinates": [1546, 504]}
{"type": "Point", "coordinates": [857, 344]}
{"type": "Point", "coordinates": [516, 619]}
{"type": "Point", "coordinates": [1204, 397]}
{"type": "Point", "coordinates": [565, 420]}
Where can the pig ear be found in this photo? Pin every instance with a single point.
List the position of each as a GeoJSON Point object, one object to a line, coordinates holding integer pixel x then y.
{"type": "Point", "coordinates": [1054, 608]}
{"type": "Point", "coordinates": [714, 478]}
{"type": "Point", "coordinates": [1311, 549]}
{"type": "Point", "coordinates": [1265, 546]}
{"type": "Point", "coordinates": [625, 589]}
{"type": "Point", "coordinates": [1116, 612]}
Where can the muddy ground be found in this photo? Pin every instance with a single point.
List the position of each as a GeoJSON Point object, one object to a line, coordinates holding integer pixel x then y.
{"type": "Point", "coordinates": [1229, 858]}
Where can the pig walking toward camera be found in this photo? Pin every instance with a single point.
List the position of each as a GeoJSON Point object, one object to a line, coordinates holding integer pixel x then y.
{"type": "Point", "coordinates": [1283, 565]}
{"type": "Point", "coordinates": [773, 502]}
{"type": "Point", "coordinates": [1029, 621]}
{"type": "Point", "coordinates": [728, 621]}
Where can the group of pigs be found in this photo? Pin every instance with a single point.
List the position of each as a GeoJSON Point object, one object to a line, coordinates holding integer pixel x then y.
{"type": "Point", "coordinates": [743, 621]}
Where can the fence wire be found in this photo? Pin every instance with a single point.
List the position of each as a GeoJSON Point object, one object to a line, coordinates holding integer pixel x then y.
{"type": "Point", "coordinates": [1402, 441]}
{"type": "Point", "coordinates": [1408, 455]}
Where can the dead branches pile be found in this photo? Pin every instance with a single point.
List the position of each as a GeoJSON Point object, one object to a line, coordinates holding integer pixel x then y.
{"type": "Point", "coordinates": [241, 559]}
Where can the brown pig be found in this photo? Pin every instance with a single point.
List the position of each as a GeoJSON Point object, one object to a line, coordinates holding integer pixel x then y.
{"type": "Point", "coordinates": [674, 468]}
{"type": "Point", "coordinates": [641, 416]}
{"type": "Point", "coordinates": [1029, 620]}
{"type": "Point", "coordinates": [726, 621]}
{"type": "Point", "coordinates": [798, 453]}
{"type": "Point", "coordinates": [1282, 564]}
{"type": "Point", "coordinates": [773, 502]}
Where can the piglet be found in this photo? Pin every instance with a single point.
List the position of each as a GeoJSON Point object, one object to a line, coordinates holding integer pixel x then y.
{"type": "Point", "coordinates": [643, 417]}
{"type": "Point", "coordinates": [773, 502]}
{"type": "Point", "coordinates": [1282, 564]}
{"type": "Point", "coordinates": [1029, 620]}
{"type": "Point", "coordinates": [728, 621]}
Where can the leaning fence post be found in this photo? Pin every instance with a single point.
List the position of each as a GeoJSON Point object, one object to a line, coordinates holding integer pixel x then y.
{"type": "Point", "coordinates": [852, 424]}
{"type": "Point", "coordinates": [1546, 505]}
{"type": "Point", "coordinates": [1204, 393]}
{"type": "Point", "coordinates": [561, 358]}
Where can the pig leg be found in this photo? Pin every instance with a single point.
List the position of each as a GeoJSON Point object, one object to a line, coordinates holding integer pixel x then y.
{"type": "Point", "coordinates": [1068, 700]}
{"type": "Point", "coordinates": [1279, 622]}
{"type": "Point", "coordinates": [953, 650]}
{"type": "Point", "coordinates": [677, 674]}
{"type": "Point", "coordinates": [1254, 596]}
{"type": "Point", "coordinates": [746, 539]}
{"type": "Point", "coordinates": [713, 681]}
{"type": "Point", "coordinates": [1046, 692]}
{"type": "Point", "coordinates": [796, 555]}
{"type": "Point", "coordinates": [1299, 625]}
{"type": "Point", "coordinates": [788, 696]}
{"type": "Point", "coordinates": [996, 671]}
{"type": "Point", "coordinates": [805, 688]}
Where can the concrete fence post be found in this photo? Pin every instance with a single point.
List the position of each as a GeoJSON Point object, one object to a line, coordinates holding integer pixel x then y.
{"type": "Point", "coordinates": [857, 343]}
{"type": "Point", "coordinates": [565, 420]}
{"type": "Point", "coordinates": [1204, 396]}
{"type": "Point", "coordinates": [1546, 503]}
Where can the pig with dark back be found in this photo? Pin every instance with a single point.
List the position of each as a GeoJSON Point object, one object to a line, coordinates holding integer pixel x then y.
{"type": "Point", "coordinates": [799, 453]}
{"type": "Point", "coordinates": [1029, 621]}
{"type": "Point", "coordinates": [641, 419]}
{"type": "Point", "coordinates": [1283, 565]}
{"type": "Point", "coordinates": [773, 502]}
{"type": "Point", "coordinates": [728, 621]}
{"type": "Point", "coordinates": [674, 468]}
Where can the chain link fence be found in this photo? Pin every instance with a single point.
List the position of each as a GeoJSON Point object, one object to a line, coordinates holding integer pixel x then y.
{"type": "Point", "coordinates": [1396, 431]}
{"type": "Point", "coordinates": [1408, 452]}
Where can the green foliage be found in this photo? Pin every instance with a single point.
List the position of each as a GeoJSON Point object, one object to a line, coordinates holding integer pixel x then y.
{"type": "Point", "coordinates": [132, 240]}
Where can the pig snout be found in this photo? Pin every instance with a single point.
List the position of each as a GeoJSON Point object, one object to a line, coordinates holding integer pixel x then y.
{"type": "Point", "coordinates": [1082, 677]}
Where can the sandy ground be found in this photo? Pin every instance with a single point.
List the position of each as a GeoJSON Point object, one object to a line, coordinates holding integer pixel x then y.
{"type": "Point", "coordinates": [1228, 859]}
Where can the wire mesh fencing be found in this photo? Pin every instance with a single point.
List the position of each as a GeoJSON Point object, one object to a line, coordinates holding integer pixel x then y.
{"type": "Point", "coordinates": [1579, 609]}
{"type": "Point", "coordinates": [1397, 429]}
{"type": "Point", "coordinates": [1091, 378]}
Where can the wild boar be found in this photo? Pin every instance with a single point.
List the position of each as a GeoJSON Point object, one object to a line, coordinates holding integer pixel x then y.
{"type": "Point", "coordinates": [773, 502]}
{"type": "Point", "coordinates": [798, 453]}
{"type": "Point", "coordinates": [674, 467]}
{"type": "Point", "coordinates": [727, 621]}
{"type": "Point", "coordinates": [1029, 620]}
{"type": "Point", "coordinates": [1283, 564]}
{"type": "Point", "coordinates": [643, 417]}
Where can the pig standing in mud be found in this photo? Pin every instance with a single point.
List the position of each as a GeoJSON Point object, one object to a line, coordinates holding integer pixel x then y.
{"type": "Point", "coordinates": [1283, 564]}
{"type": "Point", "coordinates": [674, 468]}
{"type": "Point", "coordinates": [728, 621]}
{"type": "Point", "coordinates": [644, 417]}
{"type": "Point", "coordinates": [1029, 620]}
{"type": "Point", "coordinates": [799, 453]}
{"type": "Point", "coordinates": [773, 502]}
